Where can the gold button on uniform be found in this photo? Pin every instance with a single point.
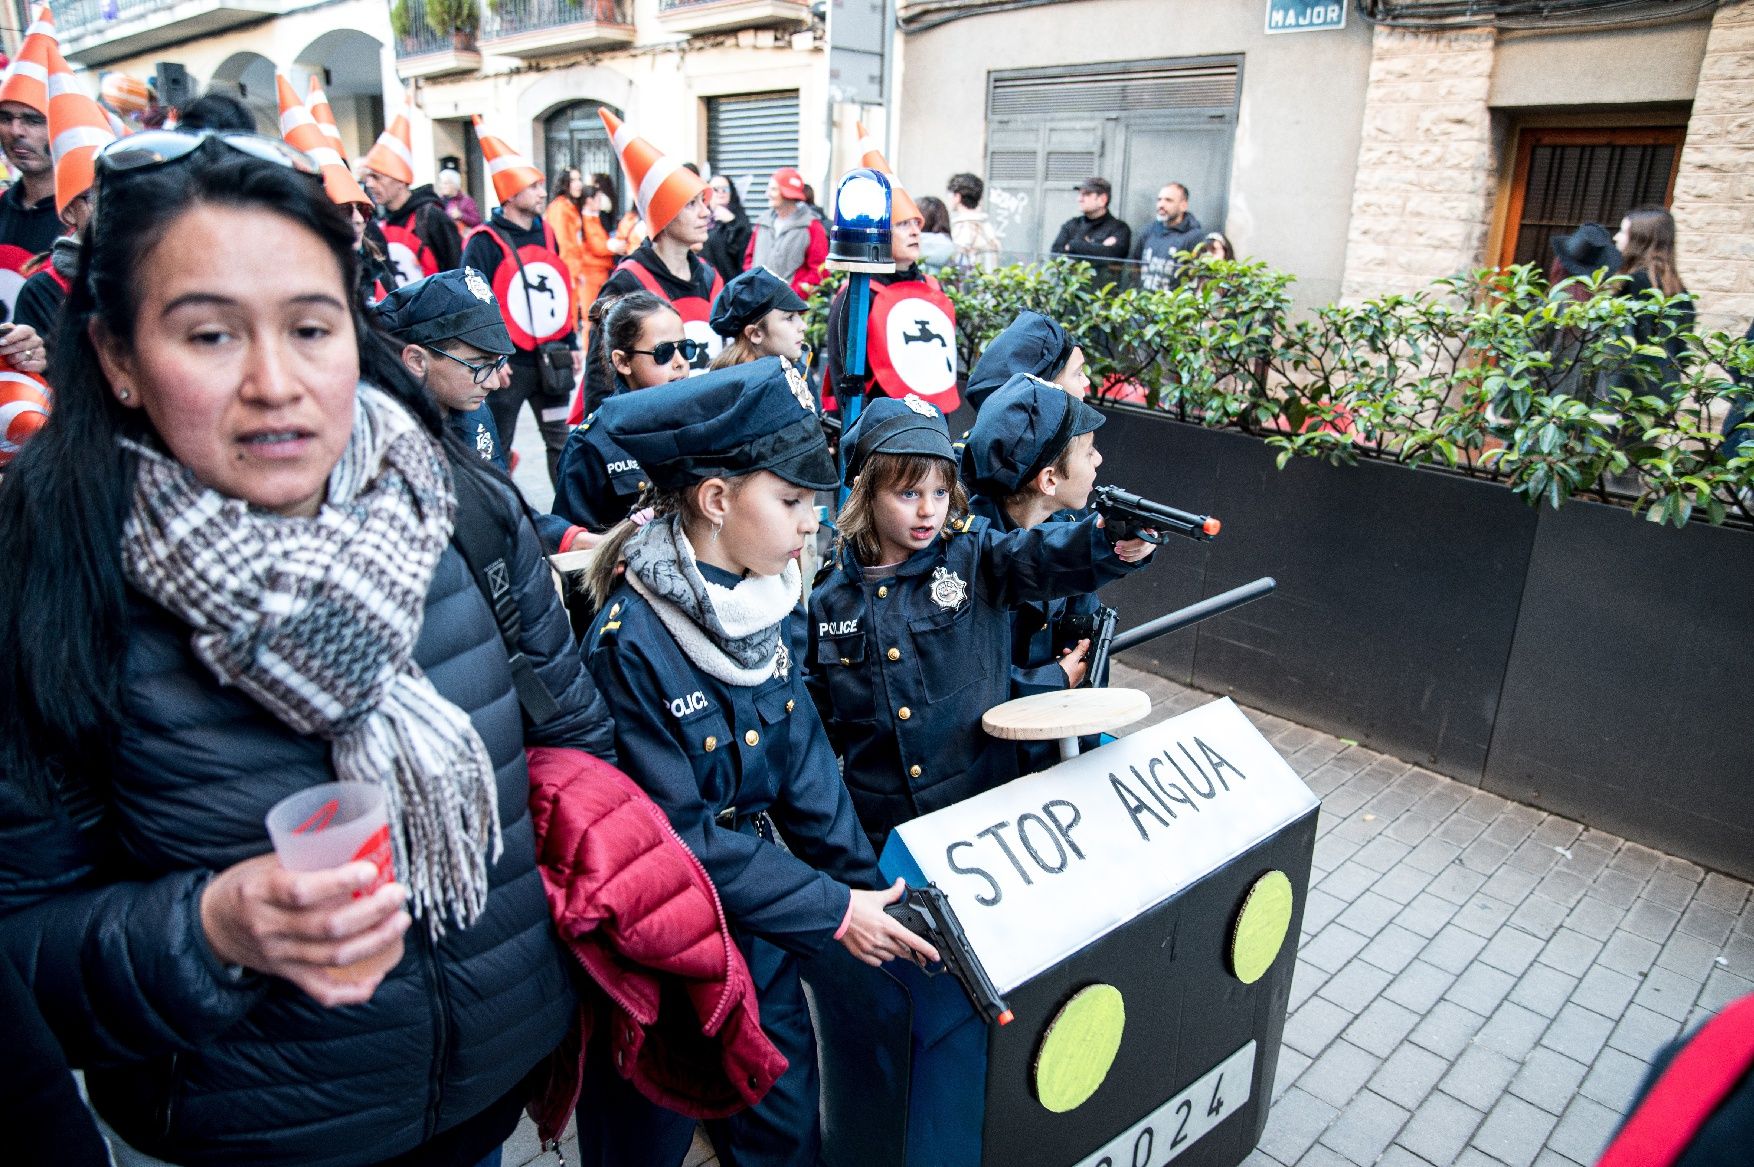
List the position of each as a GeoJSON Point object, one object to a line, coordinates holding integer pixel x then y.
{"type": "Point", "coordinates": [894, 654]}
{"type": "Point", "coordinates": [711, 743]}
{"type": "Point", "coordinates": [789, 705]}
{"type": "Point", "coordinates": [913, 771]}
{"type": "Point", "coordinates": [904, 713]}
{"type": "Point", "coordinates": [882, 593]}
{"type": "Point", "coordinates": [752, 738]}
{"type": "Point", "coordinates": [643, 485]}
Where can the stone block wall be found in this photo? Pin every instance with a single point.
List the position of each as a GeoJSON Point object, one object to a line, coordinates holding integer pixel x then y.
{"type": "Point", "coordinates": [1714, 191]}
{"type": "Point", "coordinates": [1422, 201]}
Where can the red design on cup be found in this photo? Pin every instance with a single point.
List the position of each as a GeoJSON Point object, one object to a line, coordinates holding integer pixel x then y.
{"type": "Point", "coordinates": [376, 850]}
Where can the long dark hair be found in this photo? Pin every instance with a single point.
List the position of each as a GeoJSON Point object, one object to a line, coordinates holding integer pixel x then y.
{"type": "Point", "coordinates": [1650, 248]}
{"type": "Point", "coordinates": [63, 607]}
{"type": "Point", "coordinates": [621, 321]}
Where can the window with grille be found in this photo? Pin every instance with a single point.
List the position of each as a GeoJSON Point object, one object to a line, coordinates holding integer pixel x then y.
{"type": "Point", "coordinates": [750, 136]}
{"type": "Point", "coordinates": [1566, 177]}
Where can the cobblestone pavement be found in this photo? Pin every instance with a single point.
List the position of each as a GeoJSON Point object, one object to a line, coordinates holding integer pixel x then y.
{"type": "Point", "coordinates": [1480, 983]}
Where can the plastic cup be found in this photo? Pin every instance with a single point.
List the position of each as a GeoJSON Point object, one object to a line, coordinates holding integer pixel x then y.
{"type": "Point", "coordinates": [326, 826]}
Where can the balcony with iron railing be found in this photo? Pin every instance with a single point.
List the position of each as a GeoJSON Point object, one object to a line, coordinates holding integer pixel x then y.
{"type": "Point", "coordinates": [96, 32]}
{"type": "Point", "coordinates": [697, 16]}
{"type": "Point", "coordinates": [435, 38]}
{"type": "Point", "coordinates": [544, 28]}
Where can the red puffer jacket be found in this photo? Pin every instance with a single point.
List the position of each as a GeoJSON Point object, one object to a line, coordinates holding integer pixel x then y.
{"type": "Point", "coordinates": [635, 907]}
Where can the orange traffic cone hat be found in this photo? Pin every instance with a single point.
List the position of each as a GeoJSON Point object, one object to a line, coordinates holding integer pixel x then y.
{"type": "Point", "coordinates": [300, 129]}
{"type": "Point", "coordinates": [27, 78]}
{"type": "Point", "coordinates": [662, 186]}
{"type": "Point", "coordinates": [393, 153]}
{"type": "Point", "coordinates": [902, 205]}
{"type": "Point", "coordinates": [78, 128]}
{"type": "Point", "coordinates": [125, 94]}
{"type": "Point", "coordinates": [512, 172]}
{"type": "Point", "coordinates": [318, 103]}
{"type": "Point", "coordinates": [24, 409]}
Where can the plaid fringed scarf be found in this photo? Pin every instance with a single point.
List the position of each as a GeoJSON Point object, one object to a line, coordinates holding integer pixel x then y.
{"type": "Point", "coordinates": [316, 619]}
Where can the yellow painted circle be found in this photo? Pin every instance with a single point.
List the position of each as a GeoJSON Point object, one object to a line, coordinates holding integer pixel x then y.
{"type": "Point", "coordinates": [1261, 927]}
{"type": "Point", "coordinates": [1078, 1047]}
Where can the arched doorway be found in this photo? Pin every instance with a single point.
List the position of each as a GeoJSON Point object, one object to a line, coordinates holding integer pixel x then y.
{"type": "Point", "coordinates": [250, 77]}
{"type": "Point", "coordinates": [350, 64]}
{"type": "Point", "coordinates": [575, 136]}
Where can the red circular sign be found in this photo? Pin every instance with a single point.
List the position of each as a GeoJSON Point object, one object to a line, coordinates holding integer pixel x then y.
{"type": "Point", "coordinates": [535, 300]}
{"type": "Point", "coordinates": [912, 342]}
{"type": "Point", "coordinates": [12, 262]}
{"type": "Point", "coordinates": [409, 255]}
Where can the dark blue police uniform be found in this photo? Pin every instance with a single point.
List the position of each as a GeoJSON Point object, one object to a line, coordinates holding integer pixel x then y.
{"type": "Point", "coordinates": [598, 483]}
{"type": "Point", "coordinates": [478, 432]}
{"type": "Point", "coordinates": [1021, 429]}
{"type": "Point", "coordinates": [903, 663]}
{"type": "Point", "coordinates": [744, 773]}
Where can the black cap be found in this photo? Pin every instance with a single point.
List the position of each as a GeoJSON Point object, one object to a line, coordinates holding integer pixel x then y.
{"type": "Point", "coordinates": [908, 425]}
{"type": "Point", "coordinates": [1095, 186]}
{"type": "Point", "coordinates": [724, 424]}
{"type": "Point", "coordinates": [1586, 250]}
{"type": "Point", "coordinates": [451, 305]}
{"type": "Point", "coordinates": [1020, 431]}
{"type": "Point", "coordinates": [749, 297]}
{"type": "Point", "coordinates": [1031, 344]}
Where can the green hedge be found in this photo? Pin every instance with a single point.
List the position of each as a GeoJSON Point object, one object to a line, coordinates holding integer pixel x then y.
{"type": "Point", "coordinates": [1558, 392]}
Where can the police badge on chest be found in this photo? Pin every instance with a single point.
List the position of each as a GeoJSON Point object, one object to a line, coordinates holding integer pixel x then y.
{"type": "Point", "coordinates": [948, 588]}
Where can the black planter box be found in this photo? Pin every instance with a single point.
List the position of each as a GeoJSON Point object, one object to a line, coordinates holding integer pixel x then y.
{"type": "Point", "coordinates": [1583, 660]}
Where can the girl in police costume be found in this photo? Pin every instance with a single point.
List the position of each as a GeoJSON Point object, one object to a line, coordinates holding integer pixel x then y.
{"type": "Point", "coordinates": [910, 631]}
{"type": "Point", "coordinates": [599, 483]}
{"type": "Point", "coordinates": [694, 649]}
{"type": "Point", "coordinates": [759, 315]}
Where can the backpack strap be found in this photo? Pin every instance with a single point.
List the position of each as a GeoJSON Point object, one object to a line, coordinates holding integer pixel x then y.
{"type": "Point", "coordinates": [485, 536]}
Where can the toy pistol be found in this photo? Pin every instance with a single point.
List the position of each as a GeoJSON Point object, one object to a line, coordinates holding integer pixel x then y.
{"type": "Point", "coordinates": [1128, 516]}
{"type": "Point", "coordinates": [926, 912]}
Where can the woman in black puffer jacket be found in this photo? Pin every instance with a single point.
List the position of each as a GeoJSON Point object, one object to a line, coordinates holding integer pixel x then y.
{"type": "Point", "coordinates": [229, 577]}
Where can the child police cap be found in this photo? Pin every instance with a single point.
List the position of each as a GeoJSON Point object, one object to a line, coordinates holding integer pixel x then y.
{"type": "Point", "coordinates": [1020, 431]}
{"type": "Point", "coordinates": [749, 297]}
{"type": "Point", "coordinates": [451, 305]}
{"type": "Point", "coordinates": [724, 424]}
{"type": "Point", "coordinates": [1031, 344]}
{"type": "Point", "coordinates": [890, 425]}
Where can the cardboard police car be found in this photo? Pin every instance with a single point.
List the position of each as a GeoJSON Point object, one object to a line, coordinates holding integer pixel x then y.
{"type": "Point", "coordinates": [1138, 909]}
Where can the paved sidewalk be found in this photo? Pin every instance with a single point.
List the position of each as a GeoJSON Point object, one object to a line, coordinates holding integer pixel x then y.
{"type": "Point", "coordinates": [1480, 983]}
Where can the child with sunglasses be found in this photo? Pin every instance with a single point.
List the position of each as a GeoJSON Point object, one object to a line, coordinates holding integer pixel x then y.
{"type": "Point", "coordinates": [599, 484]}
{"type": "Point", "coordinates": [910, 632]}
{"type": "Point", "coordinates": [453, 340]}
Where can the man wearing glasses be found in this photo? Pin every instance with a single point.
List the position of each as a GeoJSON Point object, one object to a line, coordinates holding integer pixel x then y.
{"type": "Point", "coordinates": [454, 341]}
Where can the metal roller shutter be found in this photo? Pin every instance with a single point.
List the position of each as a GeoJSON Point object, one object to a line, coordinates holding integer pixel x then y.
{"type": "Point", "coordinates": [749, 137]}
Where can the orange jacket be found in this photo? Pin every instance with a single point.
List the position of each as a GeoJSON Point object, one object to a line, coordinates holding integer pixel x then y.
{"type": "Point", "coordinates": [563, 215]}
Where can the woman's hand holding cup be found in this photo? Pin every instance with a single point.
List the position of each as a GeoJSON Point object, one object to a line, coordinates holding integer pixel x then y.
{"type": "Point", "coordinates": [307, 926]}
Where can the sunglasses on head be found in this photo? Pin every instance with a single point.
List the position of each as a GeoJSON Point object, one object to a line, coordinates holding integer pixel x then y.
{"type": "Point", "coordinates": [664, 351]}
{"type": "Point", "coordinates": [153, 148]}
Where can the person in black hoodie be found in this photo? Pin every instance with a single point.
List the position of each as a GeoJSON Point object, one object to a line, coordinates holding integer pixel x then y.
{"type": "Point", "coordinates": [1094, 233]}
{"type": "Point", "coordinates": [665, 265]}
{"type": "Point", "coordinates": [728, 236]}
{"type": "Point", "coordinates": [517, 223]}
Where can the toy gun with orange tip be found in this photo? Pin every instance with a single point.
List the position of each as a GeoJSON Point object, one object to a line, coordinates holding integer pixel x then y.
{"type": "Point", "coordinates": [926, 912]}
{"type": "Point", "coordinates": [1128, 516]}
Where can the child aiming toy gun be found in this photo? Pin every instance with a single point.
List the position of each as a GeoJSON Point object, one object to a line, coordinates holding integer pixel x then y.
{"type": "Point", "coordinates": [926, 912]}
{"type": "Point", "coordinates": [1128, 516]}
